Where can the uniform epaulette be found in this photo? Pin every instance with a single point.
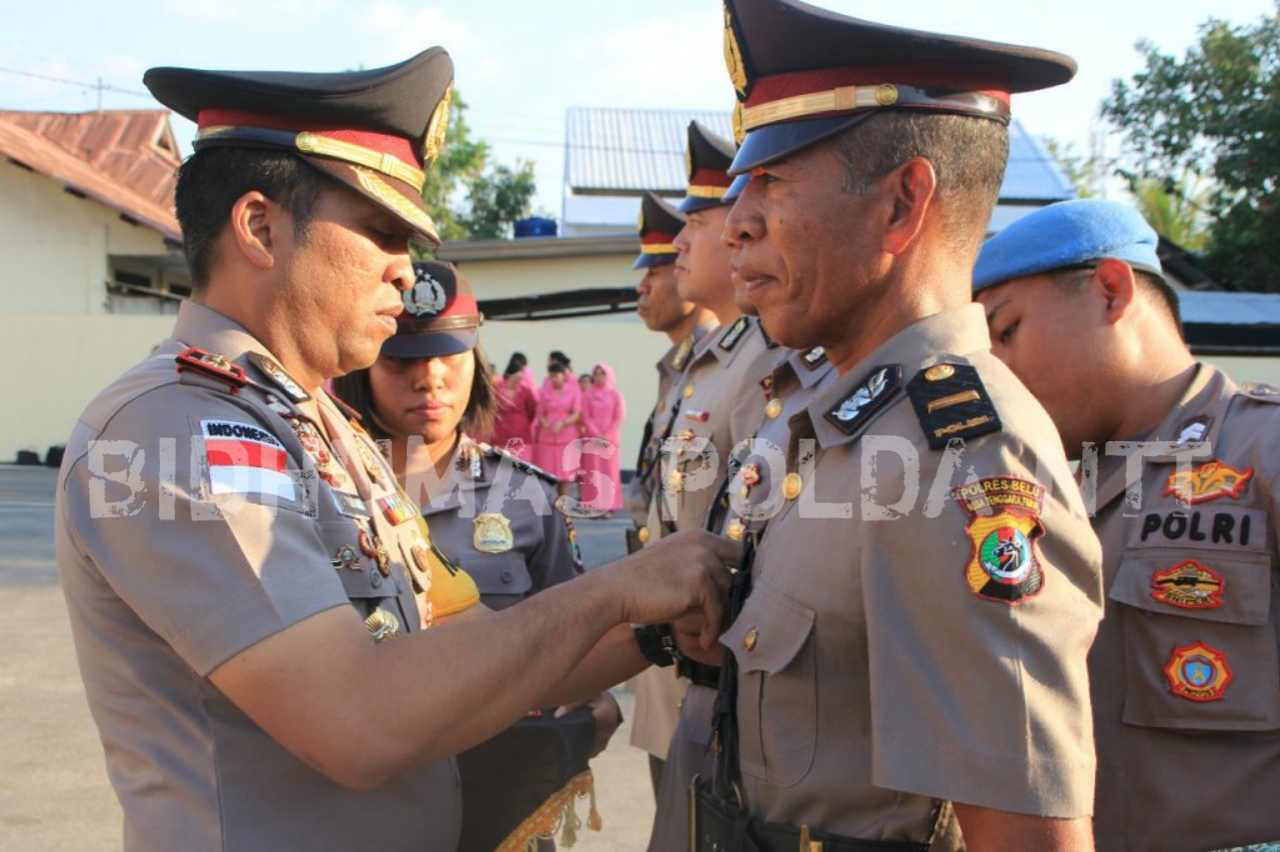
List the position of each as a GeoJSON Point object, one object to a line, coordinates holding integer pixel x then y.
{"type": "Point", "coordinates": [213, 366]}
{"type": "Point", "coordinates": [952, 402]}
{"type": "Point", "coordinates": [1261, 391]}
{"type": "Point", "coordinates": [520, 464]}
{"type": "Point", "coordinates": [682, 353]}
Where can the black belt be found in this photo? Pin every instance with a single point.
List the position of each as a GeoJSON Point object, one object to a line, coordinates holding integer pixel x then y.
{"type": "Point", "coordinates": [697, 673]}
{"type": "Point", "coordinates": [722, 826]}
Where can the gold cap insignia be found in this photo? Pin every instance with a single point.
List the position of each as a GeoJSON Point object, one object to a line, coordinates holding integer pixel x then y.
{"type": "Point", "coordinates": [733, 56]}
{"type": "Point", "coordinates": [436, 129]}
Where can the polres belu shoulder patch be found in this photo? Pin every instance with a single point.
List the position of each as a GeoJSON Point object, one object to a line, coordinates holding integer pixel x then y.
{"type": "Point", "coordinates": [1004, 526]}
{"type": "Point", "coordinates": [952, 402]}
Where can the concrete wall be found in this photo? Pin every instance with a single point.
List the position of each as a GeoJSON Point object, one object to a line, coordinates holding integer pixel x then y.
{"type": "Point", "coordinates": [54, 246]}
{"type": "Point", "coordinates": [57, 364]}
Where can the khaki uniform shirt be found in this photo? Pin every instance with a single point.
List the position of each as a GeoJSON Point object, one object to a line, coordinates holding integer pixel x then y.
{"type": "Point", "coordinates": [495, 516]}
{"type": "Point", "coordinates": [1186, 683]}
{"type": "Point", "coordinates": [719, 403]}
{"type": "Point", "coordinates": [639, 490]}
{"type": "Point", "coordinates": [784, 391]}
{"type": "Point", "coordinates": [917, 645]}
{"type": "Point", "coordinates": [192, 523]}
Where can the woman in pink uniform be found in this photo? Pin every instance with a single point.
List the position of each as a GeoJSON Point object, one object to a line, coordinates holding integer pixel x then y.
{"type": "Point", "coordinates": [559, 410]}
{"type": "Point", "coordinates": [603, 410]}
{"type": "Point", "coordinates": [517, 411]}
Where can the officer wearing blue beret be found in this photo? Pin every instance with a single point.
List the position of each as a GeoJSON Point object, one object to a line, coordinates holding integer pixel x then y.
{"type": "Point", "coordinates": [1186, 695]}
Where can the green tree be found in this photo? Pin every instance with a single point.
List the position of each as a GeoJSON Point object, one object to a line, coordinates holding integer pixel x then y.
{"type": "Point", "coordinates": [1213, 117]}
{"type": "Point", "coordinates": [1176, 212]}
{"type": "Point", "coordinates": [469, 196]}
{"type": "Point", "coordinates": [1078, 168]}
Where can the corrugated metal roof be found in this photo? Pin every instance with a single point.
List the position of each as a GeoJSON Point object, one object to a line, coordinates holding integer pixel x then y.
{"type": "Point", "coordinates": [79, 174]}
{"type": "Point", "coordinates": [631, 150]}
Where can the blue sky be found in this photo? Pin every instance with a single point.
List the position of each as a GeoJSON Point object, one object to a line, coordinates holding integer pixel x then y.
{"type": "Point", "coordinates": [521, 64]}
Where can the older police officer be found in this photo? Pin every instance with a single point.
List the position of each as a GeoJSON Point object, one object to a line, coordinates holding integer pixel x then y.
{"type": "Point", "coordinates": [1186, 687]}
{"type": "Point", "coordinates": [240, 565]}
{"type": "Point", "coordinates": [921, 607]}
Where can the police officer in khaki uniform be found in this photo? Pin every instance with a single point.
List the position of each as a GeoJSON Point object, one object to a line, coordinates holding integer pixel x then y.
{"type": "Point", "coordinates": [746, 500]}
{"type": "Point", "coordinates": [920, 610]}
{"type": "Point", "coordinates": [239, 578]}
{"type": "Point", "coordinates": [1186, 687]}
{"type": "Point", "coordinates": [684, 323]}
{"type": "Point", "coordinates": [711, 414]}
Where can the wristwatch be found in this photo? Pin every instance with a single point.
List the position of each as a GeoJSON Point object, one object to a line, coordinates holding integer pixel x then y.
{"type": "Point", "coordinates": [657, 643]}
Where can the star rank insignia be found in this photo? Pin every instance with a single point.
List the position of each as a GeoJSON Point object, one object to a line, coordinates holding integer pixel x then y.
{"type": "Point", "coordinates": [952, 402]}
{"type": "Point", "coordinates": [876, 389]}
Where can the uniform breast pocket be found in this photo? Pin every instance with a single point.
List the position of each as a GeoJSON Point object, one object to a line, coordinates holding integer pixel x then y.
{"type": "Point", "coordinates": [502, 578]}
{"type": "Point", "coordinates": [1200, 648]}
{"type": "Point", "coordinates": [772, 640]}
{"type": "Point", "coordinates": [361, 579]}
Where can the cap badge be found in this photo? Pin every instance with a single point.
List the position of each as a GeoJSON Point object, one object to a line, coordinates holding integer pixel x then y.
{"type": "Point", "coordinates": [426, 298]}
{"type": "Point", "coordinates": [437, 128]}
{"type": "Point", "coordinates": [733, 56]}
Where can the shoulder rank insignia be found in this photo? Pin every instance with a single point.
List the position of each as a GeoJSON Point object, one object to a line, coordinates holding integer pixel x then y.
{"type": "Point", "coordinates": [278, 376]}
{"type": "Point", "coordinates": [1198, 672]}
{"type": "Point", "coordinates": [1261, 391]}
{"type": "Point", "coordinates": [814, 358]}
{"type": "Point", "coordinates": [875, 390]}
{"type": "Point", "coordinates": [683, 351]}
{"type": "Point", "coordinates": [1004, 524]}
{"type": "Point", "coordinates": [734, 334]}
{"type": "Point", "coordinates": [1208, 482]}
{"type": "Point", "coordinates": [1194, 430]}
{"type": "Point", "coordinates": [214, 366]}
{"type": "Point", "coordinates": [952, 402]}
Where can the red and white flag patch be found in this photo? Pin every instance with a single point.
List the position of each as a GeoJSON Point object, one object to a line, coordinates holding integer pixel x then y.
{"type": "Point", "coordinates": [246, 459]}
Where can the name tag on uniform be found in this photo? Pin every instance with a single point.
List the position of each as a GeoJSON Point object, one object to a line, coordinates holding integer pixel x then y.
{"type": "Point", "coordinates": [349, 504]}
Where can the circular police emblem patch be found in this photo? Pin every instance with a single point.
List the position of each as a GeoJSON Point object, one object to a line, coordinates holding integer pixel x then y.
{"type": "Point", "coordinates": [1198, 672]}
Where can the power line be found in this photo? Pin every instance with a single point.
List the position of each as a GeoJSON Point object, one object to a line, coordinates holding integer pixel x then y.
{"type": "Point", "coordinates": [94, 86]}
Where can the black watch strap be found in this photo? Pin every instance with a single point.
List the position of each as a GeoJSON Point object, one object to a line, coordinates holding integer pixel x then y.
{"type": "Point", "coordinates": [657, 643]}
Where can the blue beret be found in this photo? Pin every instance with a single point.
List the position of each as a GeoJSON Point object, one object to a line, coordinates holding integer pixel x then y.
{"type": "Point", "coordinates": [1069, 233]}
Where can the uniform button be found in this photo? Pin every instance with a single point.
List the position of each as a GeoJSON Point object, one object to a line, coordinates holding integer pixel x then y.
{"type": "Point", "coordinates": [737, 530]}
{"type": "Point", "coordinates": [792, 485]}
{"type": "Point", "coordinates": [773, 409]}
{"type": "Point", "coordinates": [375, 579]}
{"type": "Point", "coordinates": [506, 577]}
{"type": "Point", "coordinates": [643, 535]}
{"type": "Point", "coordinates": [749, 641]}
{"type": "Point", "coordinates": [688, 390]}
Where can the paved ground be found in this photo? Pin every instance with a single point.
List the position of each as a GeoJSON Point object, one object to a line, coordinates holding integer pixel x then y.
{"type": "Point", "coordinates": [54, 794]}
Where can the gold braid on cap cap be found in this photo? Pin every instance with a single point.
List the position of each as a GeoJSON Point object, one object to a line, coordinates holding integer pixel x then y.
{"type": "Point", "coordinates": [708, 191]}
{"type": "Point", "coordinates": [324, 146]}
{"type": "Point", "coordinates": [402, 206]}
{"type": "Point", "coordinates": [844, 99]}
{"type": "Point", "coordinates": [658, 248]}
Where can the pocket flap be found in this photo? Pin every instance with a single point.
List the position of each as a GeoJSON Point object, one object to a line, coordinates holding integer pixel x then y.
{"type": "Point", "coordinates": [769, 632]}
{"type": "Point", "coordinates": [499, 573]}
{"type": "Point", "coordinates": [1232, 588]}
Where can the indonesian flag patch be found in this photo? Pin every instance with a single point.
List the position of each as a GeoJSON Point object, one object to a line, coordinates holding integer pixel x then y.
{"type": "Point", "coordinates": [245, 459]}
